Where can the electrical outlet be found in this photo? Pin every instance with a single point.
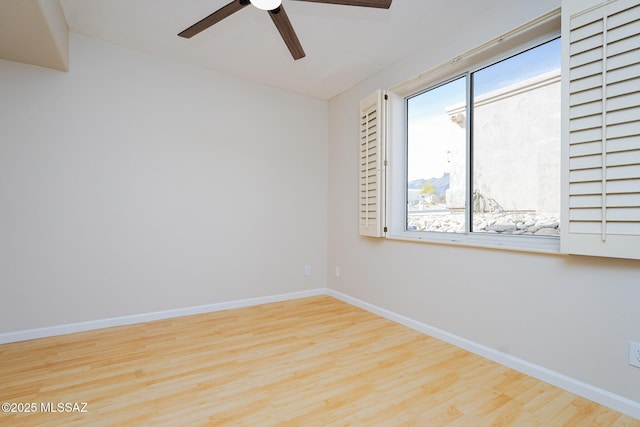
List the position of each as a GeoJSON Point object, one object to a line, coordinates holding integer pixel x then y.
{"type": "Point", "coordinates": [307, 270]}
{"type": "Point", "coordinates": [337, 271]}
{"type": "Point", "coordinates": [634, 354]}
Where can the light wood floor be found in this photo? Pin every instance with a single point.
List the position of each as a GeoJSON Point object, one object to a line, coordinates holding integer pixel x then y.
{"type": "Point", "coordinates": [310, 362]}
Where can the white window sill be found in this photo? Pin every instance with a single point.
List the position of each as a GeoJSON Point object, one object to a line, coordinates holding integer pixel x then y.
{"type": "Point", "coordinates": [545, 245]}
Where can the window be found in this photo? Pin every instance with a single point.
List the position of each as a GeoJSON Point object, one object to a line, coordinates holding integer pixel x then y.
{"type": "Point", "coordinates": [508, 124]}
{"type": "Point", "coordinates": [436, 159]}
{"type": "Point", "coordinates": [469, 152]}
{"type": "Point", "coordinates": [472, 146]}
{"type": "Point", "coordinates": [515, 144]}
{"type": "Point", "coordinates": [483, 150]}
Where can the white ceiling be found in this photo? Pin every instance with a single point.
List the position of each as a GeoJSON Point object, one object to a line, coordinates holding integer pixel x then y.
{"type": "Point", "coordinates": [344, 44]}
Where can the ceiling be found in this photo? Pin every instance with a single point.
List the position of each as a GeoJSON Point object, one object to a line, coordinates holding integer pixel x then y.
{"type": "Point", "coordinates": [344, 44]}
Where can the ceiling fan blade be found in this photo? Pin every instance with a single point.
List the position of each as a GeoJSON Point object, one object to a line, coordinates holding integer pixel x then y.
{"type": "Point", "coordinates": [381, 4]}
{"type": "Point", "coordinates": [214, 18]}
{"type": "Point", "coordinates": [280, 18]}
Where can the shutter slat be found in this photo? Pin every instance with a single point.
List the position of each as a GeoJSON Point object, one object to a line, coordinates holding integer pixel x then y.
{"type": "Point", "coordinates": [586, 83]}
{"type": "Point", "coordinates": [585, 202]}
{"type": "Point", "coordinates": [628, 115]}
{"type": "Point", "coordinates": [586, 70]}
{"type": "Point", "coordinates": [584, 97]}
{"type": "Point", "coordinates": [613, 214]}
{"type": "Point", "coordinates": [623, 172]}
{"type": "Point", "coordinates": [624, 17]}
{"type": "Point", "coordinates": [619, 44]}
{"type": "Point", "coordinates": [589, 122]}
{"type": "Point", "coordinates": [627, 186]}
{"type": "Point", "coordinates": [587, 135]}
{"type": "Point", "coordinates": [623, 158]}
{"type": "Point", "coordinates": [584, 110]}
{"type": "Point", "coordinates": [580, 23]}
{"type": "Point", "coordinates": [623, 200]}
{"type": "Point", "coordinates": [585, 162]}
{"type": "Point", "coordinates": [620, 74]}
{"type": "Point", "coordinates": [623, 130]}
{"type": "Point", "coordinates": [624, 60]}
{"type": "Point", "coordinates": [623, 87]}
{"type": "Point", "coordinates": [613, 200]}
{"type": "Point", "coordinates": [586, 215]}
{"type": "Point", "coordinates": [583, 58]}
{"type": "Point", "coordinates": [585, 149]}
{"type": "Point", "coordinates": [623, 144]}
{"type": "Point", "coordinates": [585, 175]}
{"type": "Point", "coordinates": [595, 175]}
{"type": "Point", "coordinates": [583, 188]}
{"type": "Point", "coordinates": [614, 228]}
{"type": "Point", "coordinates": [628, 100]}
{"type": "Point", "coordinates": [591, 42]}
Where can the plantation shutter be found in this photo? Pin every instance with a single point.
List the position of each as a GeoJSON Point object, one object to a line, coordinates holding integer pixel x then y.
{"type": "Point", "coordinates": [602, 201]}
{"type": "Point", "coordinates": [372, 148]}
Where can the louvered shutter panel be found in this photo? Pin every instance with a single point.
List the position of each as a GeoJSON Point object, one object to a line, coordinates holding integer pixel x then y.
{"type": "Point", "coordinates": [372, 148]}
{"type": "Point", "coordinates": [603, 197]}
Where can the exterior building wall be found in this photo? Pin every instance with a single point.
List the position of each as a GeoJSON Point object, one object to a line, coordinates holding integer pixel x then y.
{"type": "Point", "coordinates": [503, 151]}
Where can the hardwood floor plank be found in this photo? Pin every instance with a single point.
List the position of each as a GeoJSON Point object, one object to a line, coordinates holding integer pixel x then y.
{"type": "Point", "coordinates": [313, 362]}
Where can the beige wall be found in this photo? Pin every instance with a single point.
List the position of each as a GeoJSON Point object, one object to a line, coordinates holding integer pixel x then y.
{"type": "Point", "coordinates": [133, 184]}
{"type": "Point", "coordinates": [573, 315]}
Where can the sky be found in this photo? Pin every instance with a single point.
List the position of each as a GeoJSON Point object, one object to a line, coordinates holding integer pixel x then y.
{"type": "Point", "coordinates": [429, 125]}
{"type": "Point", "coordinates": [430, 130]}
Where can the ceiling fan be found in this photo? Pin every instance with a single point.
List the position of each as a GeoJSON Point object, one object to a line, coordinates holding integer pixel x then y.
{"type": "Point", "coordinates": [278, 16]}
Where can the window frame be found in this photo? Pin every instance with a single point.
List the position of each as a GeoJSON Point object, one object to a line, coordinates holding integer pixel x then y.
{"type": "Point", "coordinates": [544, 29]}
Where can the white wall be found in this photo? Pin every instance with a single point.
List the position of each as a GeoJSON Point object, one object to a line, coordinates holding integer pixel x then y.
{"type": "Point", "coordinates": [573, 315]}
{"type": "Point", "coordinates": [133, 184]}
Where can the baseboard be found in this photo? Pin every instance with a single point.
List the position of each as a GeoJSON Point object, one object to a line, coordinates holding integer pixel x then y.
{"type": "Point", "coordinates": [148, 317]}
{"type": "Point", "coordinates": [611, 400]}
